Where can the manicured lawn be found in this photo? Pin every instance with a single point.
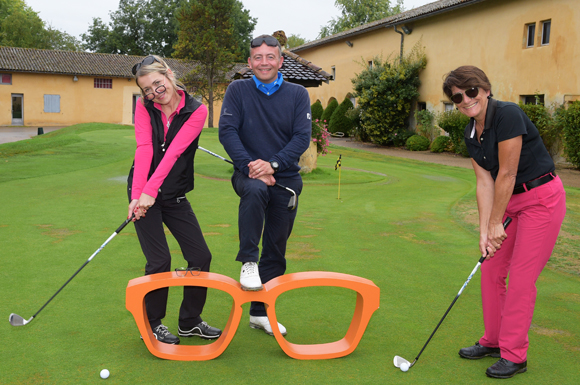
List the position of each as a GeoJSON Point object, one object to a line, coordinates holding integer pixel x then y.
{"type": "Point", "coordinates": [405, 225]}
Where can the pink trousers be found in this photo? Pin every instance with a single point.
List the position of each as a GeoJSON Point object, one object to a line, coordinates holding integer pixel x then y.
{"type": "Point", "coordinates": [507, 311]}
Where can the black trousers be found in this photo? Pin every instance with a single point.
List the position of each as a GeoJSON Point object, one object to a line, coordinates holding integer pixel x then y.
{"type": "Point", "coordinates": [263, 214]}
{"type": "Point", "coordinates": [179, 218]}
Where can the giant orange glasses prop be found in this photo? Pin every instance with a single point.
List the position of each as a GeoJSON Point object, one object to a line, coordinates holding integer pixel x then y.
{"type": "Point", "coordinates": [367, 302]}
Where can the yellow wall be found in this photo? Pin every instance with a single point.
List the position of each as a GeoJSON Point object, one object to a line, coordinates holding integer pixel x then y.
{"type": "Point", "coordinates": [80, 102]}
{"type": "Point", "coordinates": [490, 35]}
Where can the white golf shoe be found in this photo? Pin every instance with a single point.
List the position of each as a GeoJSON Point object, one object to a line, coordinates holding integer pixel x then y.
{"type": "Point", "coordinates": [250, 277]}
{"type": "Point", "coordinates": [264, 324]}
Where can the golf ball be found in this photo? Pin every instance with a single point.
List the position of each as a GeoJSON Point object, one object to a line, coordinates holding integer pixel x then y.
{"type": "Point", "coordinates": [404, 366]}
{"type": "Point", "coordinates": [104, 374]}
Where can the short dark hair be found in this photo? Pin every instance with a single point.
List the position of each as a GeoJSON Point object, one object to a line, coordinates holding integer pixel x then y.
{"type": "Point", "coordinates": [465, 77]}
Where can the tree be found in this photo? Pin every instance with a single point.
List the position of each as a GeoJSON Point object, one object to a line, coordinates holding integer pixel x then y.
{"type": "Point", "coordinates": [20, 26]}
{"type": "Point", "coordinates": [295, 41]}
{"type": "Point", "coordinates": [244, 26]}
{"type": "Point", "coordinates": [207, 35]}
{"type": "Point", "coordinates": [138, 27]}
{"type": "Point", "coordinates": [355, 13]}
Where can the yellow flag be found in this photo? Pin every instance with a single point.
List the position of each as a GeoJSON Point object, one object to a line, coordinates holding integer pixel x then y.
{"type": "Point", "coordinates": [338, 163]}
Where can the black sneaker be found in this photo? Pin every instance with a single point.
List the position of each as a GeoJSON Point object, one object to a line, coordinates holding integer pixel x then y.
{"type": "Point", "coordinates": [202, 330]}
{"type": "Point", "coordinates": [506, 369]}
{"type": "Point", "coordinates": [478, 351]}
{"type": "Point", "coordinates": [163, 335]}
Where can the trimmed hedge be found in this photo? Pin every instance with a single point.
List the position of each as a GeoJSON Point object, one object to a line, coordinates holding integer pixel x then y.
{"type": "Point", "coordinates": [339, 121]}
{"type": "Point", "coordinates": [327, 114]}
{"type": "Point", "coordinates": [316, 109]}
{"type": "Point", "coordinates": [417, 143]}
{"type": "Point", "coordinates": [441, 144]}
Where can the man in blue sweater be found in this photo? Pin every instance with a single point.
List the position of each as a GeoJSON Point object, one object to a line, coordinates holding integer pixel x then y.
{"type": "Point", "coordinates": [265, 126]}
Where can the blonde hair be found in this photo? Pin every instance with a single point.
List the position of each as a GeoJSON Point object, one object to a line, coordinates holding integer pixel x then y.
{"type": "Point", "coordinates": [159, 65]}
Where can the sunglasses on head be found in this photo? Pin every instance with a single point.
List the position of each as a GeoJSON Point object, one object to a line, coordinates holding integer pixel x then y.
{"type": "Point", "coordinates": [471, 93]}
{"type": "Point", "coordinates": [269, 40]}
{"type": "Point", "coordinates": [145, 62]}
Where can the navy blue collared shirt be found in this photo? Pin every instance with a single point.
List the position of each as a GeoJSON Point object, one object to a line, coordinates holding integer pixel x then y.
{"type": "Point", "coordinates": [270, 88]}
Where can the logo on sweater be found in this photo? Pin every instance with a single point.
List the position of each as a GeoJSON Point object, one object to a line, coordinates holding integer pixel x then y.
{"type": "Point", "coordinates": [226, 113]}
{"type": "Point", "coordinates": [308, 116]}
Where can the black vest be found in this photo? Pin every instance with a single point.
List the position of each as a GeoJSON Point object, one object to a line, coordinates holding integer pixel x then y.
{"type": "Point", "coordinates": [179, 181]}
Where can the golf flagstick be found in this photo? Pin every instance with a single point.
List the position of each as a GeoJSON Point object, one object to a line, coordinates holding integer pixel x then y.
{"type": "Point", "coordinates": [16, 320]}
{"type": "Point", "coordinates": [292, 203]}
{"type": "Point", "coordinates": [339, 166]}
{"type": "Point", "coordinates": [398, 360]}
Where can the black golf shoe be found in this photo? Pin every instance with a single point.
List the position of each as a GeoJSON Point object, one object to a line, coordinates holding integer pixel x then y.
{"type": "Point", "coordinates": [506, 369]}
{"type": "Point", "coordinates": [478, 351]}
{"type": "Point", "coordinates": [163, 335]}
{"type": "Point", "coordinates": [202, 330]}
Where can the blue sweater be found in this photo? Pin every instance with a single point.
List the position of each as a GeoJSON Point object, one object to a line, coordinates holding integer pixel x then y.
{"type": "Point", "coordinates": [254, 125]}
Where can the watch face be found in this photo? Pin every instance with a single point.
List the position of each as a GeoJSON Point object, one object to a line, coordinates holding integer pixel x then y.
{"type": "Point", "coordinates": [274, 165]}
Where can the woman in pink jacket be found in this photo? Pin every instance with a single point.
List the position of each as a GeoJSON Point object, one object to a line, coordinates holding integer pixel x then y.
{"type": "Point", "coordinates": [168, 122]}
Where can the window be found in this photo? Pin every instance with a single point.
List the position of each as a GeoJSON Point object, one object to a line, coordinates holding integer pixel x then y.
{"type": "Point", "coordinates": [421, 106]}
{"type": "Point", "coordinates": [333, 72]}
{"type": "Point", "coordinates": [531, 33]}
{"type": "Point", "coordinates": [52, 103]}
{"type": "Point", "coordinates": [370, 64]}
{"type": "Point", "coordinates": [532, 99]}
{"type": "Point", "coordinates": [448, 106]}
{"type": "Point", "coordinates": [546, 32]}
{"type": "Point", "coordinates": [5, 78]}
{"type": "Point", "coordinates": [103, 83]}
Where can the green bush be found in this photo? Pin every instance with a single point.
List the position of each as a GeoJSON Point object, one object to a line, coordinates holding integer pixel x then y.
{"type": "Point", "coordinates": [417, 143]}
{"type": "Point", "coordinates": [316, 110]}
{"type": "Point", "coordinates": [550, 132]}
{"type": "Point", "coordinates": [461, 149]}
{"type": "Point", "coordinates": [327, 114]}
{"type": "Point", "coordinates": [569, 121]}
{"type": "Point", "coordinates": [339, 121]}
{"type": "Point", "coordinates": [425, 127]}
{"type": "Point", "coordinates": [385, 93]}
{"type": "Point", "coordinates": [441, 144]}
{"type": "Point", "coordinates": [454, 123]}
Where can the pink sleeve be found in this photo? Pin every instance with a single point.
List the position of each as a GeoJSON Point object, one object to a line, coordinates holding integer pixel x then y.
{"type": "Point", "coordinates": [190, 130]}
{"type": "Point", "coordinates": [144, 151]}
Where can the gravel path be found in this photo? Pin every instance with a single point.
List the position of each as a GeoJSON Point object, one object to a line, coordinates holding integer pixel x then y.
{"type": "Point", "coordinates": [570, 177]}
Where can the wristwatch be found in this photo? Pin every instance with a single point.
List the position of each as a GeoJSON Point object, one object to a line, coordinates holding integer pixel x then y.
{"type": "Point", "coordinates": [275, 166]}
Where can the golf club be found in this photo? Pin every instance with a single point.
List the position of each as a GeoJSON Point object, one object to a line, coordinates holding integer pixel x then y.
{"type": "Point", "coordinates": [292, 203]}
{"type": "Point", "coordinates": [16, 320]}
{"type": "Point", "coordinates": [398, 360]}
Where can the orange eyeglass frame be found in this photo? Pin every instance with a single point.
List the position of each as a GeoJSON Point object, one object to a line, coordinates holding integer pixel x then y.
{"type": "Point", "coordinates": [367, 302]}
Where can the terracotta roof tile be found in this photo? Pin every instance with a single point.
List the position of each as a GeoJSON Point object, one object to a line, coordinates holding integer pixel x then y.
{"type": "Point", "coordinates": [81, 63]}
{"type": "Point", "coordinates": [296, 70]}
{"type": "Point", "coordinates": [424, 11]}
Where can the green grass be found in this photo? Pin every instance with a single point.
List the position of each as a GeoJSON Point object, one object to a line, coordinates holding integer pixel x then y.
{"type": "Point", "coordinates": [403, 224]}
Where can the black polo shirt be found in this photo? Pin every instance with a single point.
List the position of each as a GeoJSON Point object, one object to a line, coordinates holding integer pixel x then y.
{"type": "Point", "coordinates": [503, 121]}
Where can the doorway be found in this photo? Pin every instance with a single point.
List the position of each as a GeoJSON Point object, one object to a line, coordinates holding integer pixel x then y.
{"type": "Point", "coordinates": [17, 110]}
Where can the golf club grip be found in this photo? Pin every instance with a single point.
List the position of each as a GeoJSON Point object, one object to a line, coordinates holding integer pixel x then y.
{"type": "Point", "coordinates": [125, 223]}
{"type": "Point", "coordinates": [506, 223]}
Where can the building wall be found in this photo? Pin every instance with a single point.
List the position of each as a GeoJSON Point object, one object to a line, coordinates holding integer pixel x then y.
{"type": "Point", "coordinates": [490, 35]}
{"type": "Point", "coordinates": [80, 101]}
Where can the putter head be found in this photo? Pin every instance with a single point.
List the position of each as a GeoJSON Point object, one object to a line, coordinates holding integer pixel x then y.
{"type": "Point", "coordinates": [398, 360]}
{"type": "Point", "coordinates": [16, 320]}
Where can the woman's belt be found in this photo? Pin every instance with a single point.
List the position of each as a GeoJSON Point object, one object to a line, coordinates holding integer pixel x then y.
{"type": "Point", "coordinates": [522, 188]}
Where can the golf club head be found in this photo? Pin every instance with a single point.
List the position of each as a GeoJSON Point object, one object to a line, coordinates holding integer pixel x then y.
{"type": "Point", "coordinates": [292, 202]}
{"type": "Point", "coordinates": [398, 360]}
{"type": "Point", "coordinates": [16, 320]}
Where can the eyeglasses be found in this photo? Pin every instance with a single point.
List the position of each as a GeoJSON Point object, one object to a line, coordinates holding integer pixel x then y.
{"type": "Point", "coordinates": [269, 40]}
{"type": "Point", "coordinates": [145, 62]}
{"type": "Point", "coordinates": [159, 90]}
{"type": "Point", "coordinates": [471, 93]}
{"type": "Point", "coordinates": [367, 302]}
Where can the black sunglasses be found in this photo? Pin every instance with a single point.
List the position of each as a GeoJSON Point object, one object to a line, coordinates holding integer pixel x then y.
{"type": "Point", "coordinates": [471, 93]}
{"type": "Point", "coordinates": [145, 62]}
{"type": "Point", "coordinates": [269, 40]}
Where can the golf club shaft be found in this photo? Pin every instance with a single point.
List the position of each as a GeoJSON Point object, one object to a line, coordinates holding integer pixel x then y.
{"type": "Point", "coordinates": [84, 264]}
{"type": "Point", "coordinates": [505, 225]}
{"type": "Point", "coordinates": [230, 162]}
